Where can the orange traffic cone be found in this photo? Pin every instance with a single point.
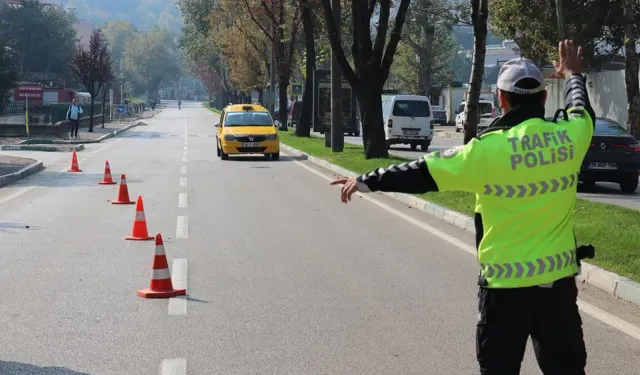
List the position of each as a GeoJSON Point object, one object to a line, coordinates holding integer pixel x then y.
{"type": "Point", "coordinates": [74, 164]}
{"type": "Point", "coordinates": [107, 180]}
{"type": "Point", "coordinates": [123, 192]}
{"type": "Point", "coordinates": [139, 231]}
{"type": "Point", "coordinates": [161, 285]}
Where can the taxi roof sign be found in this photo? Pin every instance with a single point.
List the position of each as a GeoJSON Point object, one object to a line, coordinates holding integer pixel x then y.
{"type": "Point", "coordinates": [247, 108]}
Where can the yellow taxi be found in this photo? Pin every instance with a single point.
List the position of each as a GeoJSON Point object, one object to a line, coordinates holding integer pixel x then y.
{"type": "Point", "coordinates": [247, 129]}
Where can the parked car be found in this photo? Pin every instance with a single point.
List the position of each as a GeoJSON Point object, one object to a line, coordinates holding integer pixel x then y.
{"type": "Point", "coordinates": [487, 112]}
{"type": "Point", "coordinates": [614, 156]}
{"type": "Point", "coordinates": [408, 120]}
{"type": "Point", "coordinates": [439, 116]}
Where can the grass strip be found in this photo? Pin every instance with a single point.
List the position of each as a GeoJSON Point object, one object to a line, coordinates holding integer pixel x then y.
{"type": "Point", "coordinates": [613, 230]}
{"type": "Point", "coordinates": [213, 109]}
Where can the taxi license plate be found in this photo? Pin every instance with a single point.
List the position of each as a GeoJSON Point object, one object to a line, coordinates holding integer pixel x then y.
{"type": "Point", "coordinates": [251, 144]}
{"type": "Point", "coordinates": [602, 165]}
{"type": "Point", "coordinates": [411, 132]}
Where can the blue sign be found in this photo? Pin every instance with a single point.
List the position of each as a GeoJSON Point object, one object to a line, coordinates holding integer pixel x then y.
{"type": "Point", "coordinates": [120, 108]}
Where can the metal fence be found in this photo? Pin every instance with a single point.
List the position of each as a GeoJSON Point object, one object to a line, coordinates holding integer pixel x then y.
{"type": "Point", "coordinates": [14, 113]}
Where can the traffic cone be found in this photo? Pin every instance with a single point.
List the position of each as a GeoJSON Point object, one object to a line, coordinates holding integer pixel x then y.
{"type": "Point", "coordinates": [123, 192]}
{"type": "Point", "coordinates": [107, 180]}
{"type": "Point", "coordinates": [74, 164]}
{"type": "Point", "coordinates": [160, 285]}
{"type": "Point", "coordinates": [139, 231]}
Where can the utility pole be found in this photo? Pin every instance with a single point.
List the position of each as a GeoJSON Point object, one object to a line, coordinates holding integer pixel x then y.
{"type": "Point", "coordinates": [560, 19]}
{"type": "Point", "coordinates": [272, 85]}
{"type": "Point", "coordinates": [337, 131]}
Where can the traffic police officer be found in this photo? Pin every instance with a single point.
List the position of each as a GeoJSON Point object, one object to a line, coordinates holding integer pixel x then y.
{"type": "Point", "coordinates": [523, 170]}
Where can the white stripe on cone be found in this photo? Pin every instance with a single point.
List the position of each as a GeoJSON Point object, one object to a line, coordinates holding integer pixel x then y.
{"type": "Point", "coordinates": [140, 216]}
{"type": "Point", "coordinates": [162, 274]}
{"type": "Point", "coordinates": [160, 250]}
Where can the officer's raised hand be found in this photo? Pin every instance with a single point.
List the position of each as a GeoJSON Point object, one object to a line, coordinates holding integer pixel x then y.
{"type": "Point", "coordinates": [349, 186]}
{"type": "Point", "coordinates": [570, 59]}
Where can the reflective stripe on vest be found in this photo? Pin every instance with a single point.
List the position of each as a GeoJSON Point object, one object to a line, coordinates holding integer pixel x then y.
{"type": "Point", "coordinates": [533, 188]}
{"type": "Point", "coordinates": [533, 268]}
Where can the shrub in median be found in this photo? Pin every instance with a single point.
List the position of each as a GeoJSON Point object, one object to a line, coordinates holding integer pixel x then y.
{"type": "Point", "coordinates": [613, 230]}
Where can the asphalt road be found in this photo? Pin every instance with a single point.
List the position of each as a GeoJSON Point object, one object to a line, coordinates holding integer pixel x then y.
{"type": "Point", "coordinates": [602, 192]}
{"type": "Point", "coordinates": [282, 277]}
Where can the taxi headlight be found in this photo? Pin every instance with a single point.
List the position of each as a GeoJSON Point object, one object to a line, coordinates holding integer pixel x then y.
{"type": "Point", "coordinates": [229, 137]}
{"type": "Point", "coordinates": [272, 137]}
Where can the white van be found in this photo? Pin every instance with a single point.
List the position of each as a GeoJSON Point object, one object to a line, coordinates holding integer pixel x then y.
{"type": "Point", "coordinates": [488, 113]}
{"type": "Point", "coordinates": [408, 120]}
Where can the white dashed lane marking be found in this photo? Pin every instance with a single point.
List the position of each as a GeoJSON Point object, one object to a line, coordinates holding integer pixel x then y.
{"type": "Point", "coordinates": [183, 169]}
{"type": "Point", "coordinates": [179, 276]}
{"type": "Point", "coordinates": [183, 182]}
{"type": "Point", "coordinates": [173, 366]}
{"type": "Point", "coordinates": [182, 200]}
{"type": "Point", "coordinates": [182, 227]}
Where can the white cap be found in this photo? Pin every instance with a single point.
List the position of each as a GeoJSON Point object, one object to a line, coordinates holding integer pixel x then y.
{"type": "Point", "coordinates": [516, 70]}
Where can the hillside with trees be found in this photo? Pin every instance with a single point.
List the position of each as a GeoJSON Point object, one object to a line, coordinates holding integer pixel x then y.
{"type": "Point", "coordinates": [144, 14]}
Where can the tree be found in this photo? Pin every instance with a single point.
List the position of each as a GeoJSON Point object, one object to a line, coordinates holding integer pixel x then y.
{"type": "Point", "coordinates": [428, 31]}
{"type": "Point", "coordinates": [479, 17]}
{"type": "Point", "coordinates": [118, 34]}
{"type": "Point", "coordinates": [415, 77]}
{"type": "Point", "coordinates": [532, 25]}
{"type": "Point", "coordinates": [371, 61]}
{"type": "Point", "coordinates": [8, 75]}
{"type": "Point", "coordinates": [604, 28]}
{"type": "Point", "coordinates": [244, 45]}
{"type": "Point", "coordinates": [152, 59]}
{"type": "Point", "coordinates": [41, 39]}
{"type": "Point", "coordinates": [303, 127]}
{"type": "Point", "coordinates": [285, 18]}
{"type": "Point", "coordinates": [92, 68]}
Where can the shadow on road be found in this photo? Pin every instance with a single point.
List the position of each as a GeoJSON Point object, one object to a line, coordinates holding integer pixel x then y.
{"type": "Point", "coordinates": [283, 158]}
{"type": "Point", "coordinates": [608, 190]}
{"type": "Point", "coordinates": [49, 178]}
{"type": "Point", "coordinates": [17, 368]}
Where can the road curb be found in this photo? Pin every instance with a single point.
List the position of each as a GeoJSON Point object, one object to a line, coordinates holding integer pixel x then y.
{"type": "Point", "coordinates": [600, 278]}
{"type": "Point", "coordinates": [45, 147]}
{"type": "Point", "coordinates": [84, 141]}
{"type": "Point", "coordinates": [119, 131]}
{"type": "Point", "coordinates": [19, 175]}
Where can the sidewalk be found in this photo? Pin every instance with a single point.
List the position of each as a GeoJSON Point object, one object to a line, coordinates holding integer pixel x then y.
{"type": "Point", "coordinates": [84, 135]}
{"type": "Point", "coordinates": [14, 168]}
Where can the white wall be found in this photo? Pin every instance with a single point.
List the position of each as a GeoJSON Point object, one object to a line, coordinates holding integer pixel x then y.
{"type": "Point", "coordinates": [607, 93]}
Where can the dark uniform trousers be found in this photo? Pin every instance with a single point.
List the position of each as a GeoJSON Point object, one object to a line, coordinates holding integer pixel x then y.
{"type": "Point", "coordinates": [549, 315]}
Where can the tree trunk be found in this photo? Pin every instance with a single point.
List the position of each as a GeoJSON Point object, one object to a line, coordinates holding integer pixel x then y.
{"type": "Point", "coordinates": [283, 83]}
{"type": "Point", "coordinates": [426, 61]}
{"type": "Point", "coordinates": [104, 106]}
{"type": "Point", "coordinates": [631, 73]}
{"type": "Point", "coordinates": [303, 127]}
{"type": "Point", "coordinates": [260, 96]}
{"type": "Point", "coordinates": [373, 132]}
{"type": "Point", "coordinates": [93, 99]}
{"type": "Point", "coordinates": [479, 14]}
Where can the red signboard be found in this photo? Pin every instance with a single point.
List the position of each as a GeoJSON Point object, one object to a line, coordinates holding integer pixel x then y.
{"type": "Point", "coordinates": [31, 92]}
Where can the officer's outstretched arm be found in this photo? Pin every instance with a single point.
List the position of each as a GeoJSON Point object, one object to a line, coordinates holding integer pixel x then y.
{"type": "Point", "coordinates": [460, 168]}
{"type": "Point", "coordinates": [576, 99]}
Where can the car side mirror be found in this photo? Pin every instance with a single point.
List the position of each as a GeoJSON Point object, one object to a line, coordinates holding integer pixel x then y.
{"type": "Point", "coordinates": [217, 124]}
{"type": "Point", "coordinates": [456, 111]}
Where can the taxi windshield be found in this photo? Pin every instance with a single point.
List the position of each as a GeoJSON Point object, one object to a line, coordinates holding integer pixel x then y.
{"type": "Point", "coordinates": [247, 119]}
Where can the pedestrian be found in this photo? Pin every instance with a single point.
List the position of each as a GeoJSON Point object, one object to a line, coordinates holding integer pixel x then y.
{"type": "Point", "coordinates": [523, 170]}
{"type": "Point", "coordinates": [179, 104]}
{"type": "Point", "coordinates": [73, 115]}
